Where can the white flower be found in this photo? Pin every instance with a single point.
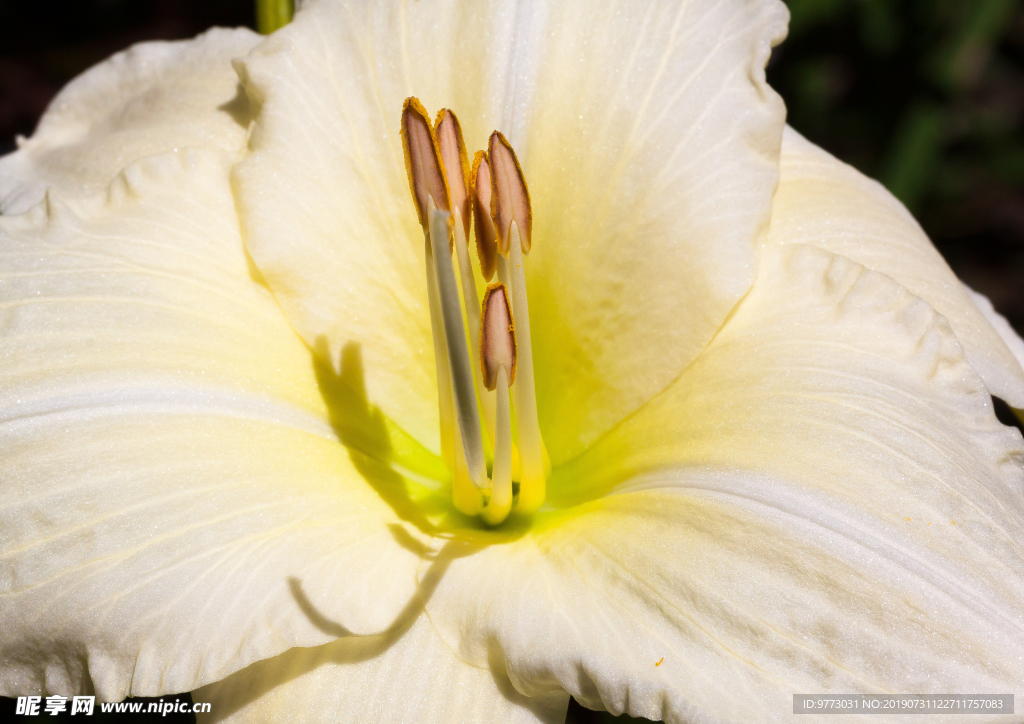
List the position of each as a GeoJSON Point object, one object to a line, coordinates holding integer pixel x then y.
{"type": "Point", "coordinates": [775, 463]}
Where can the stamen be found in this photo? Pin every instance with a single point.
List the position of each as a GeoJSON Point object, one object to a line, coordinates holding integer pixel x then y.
{"type": "Point", "coordinates": [430, 190]}
{"type": "Point", "coordinates": [498, 364]}
{"type": "Point", "coordinates": [513, 219]}
{"type": "Point", "coordinates": [456, 165]}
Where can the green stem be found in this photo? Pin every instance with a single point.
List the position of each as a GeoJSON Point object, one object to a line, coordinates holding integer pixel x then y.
{"type": "Point", "coordinates": [273, 14]}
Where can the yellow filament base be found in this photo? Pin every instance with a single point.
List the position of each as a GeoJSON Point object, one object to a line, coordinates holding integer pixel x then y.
{"type": "Point", "coordinates": [466, 496]}
{"type": "Point", "coordinates": [532, 484]}
{"type": "Point", "coordinates": [501, 477]}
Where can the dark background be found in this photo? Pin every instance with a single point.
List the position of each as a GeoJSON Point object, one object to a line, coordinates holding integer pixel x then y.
{"type": "Point", "coordinates": [925, 95]}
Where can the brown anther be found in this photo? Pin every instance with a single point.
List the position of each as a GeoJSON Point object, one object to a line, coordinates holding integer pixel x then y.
{"type": "Point", "coordinates": [510, 198]}
{"type": "Point", "coordinates": [456, 162]}
{"type": "Point", "coordinates": [423, 161]}
{"type": "Point", "coordinates": [486, 246]}
{"type": "Point", "coordinates": [497, 336]}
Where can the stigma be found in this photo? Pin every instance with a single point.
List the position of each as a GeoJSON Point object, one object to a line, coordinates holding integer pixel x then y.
{"type": "Point", "coordinates": [484, 375]}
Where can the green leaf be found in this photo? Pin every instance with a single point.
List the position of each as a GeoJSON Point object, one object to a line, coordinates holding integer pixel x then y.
{"type": "Point", "coordinates": [914, 154]}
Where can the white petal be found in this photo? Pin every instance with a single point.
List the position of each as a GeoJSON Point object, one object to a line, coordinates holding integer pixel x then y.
{"type": "Point", "coordinates": [155, 97]}
{"type": "Point", "coordinates": [410, 676]}
{"type": "Point", "coordinates": [835, 509]}
{"type": "Point", "coordinates": [824, 202]}
{"type": "Point", "coordinates": [649, 140]}
{"type": "Point", "coordinates": [174, 503]}
{"type": "Point", "coordinates": [1010, 337]}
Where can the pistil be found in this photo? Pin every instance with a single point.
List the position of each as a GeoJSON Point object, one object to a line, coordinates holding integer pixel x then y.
{"type": "Point", "coordinates": [430, 189]}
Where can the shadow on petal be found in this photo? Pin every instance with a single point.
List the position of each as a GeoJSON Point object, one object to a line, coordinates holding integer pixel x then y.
{"type": "Point", "coordinates": [262, 677]}
{"type": "Point", "coordinates": [362, 428]}
{"type": "Point", "coordinates": [383, 453]}
{"type": "Point", "coordinates": [549, 706]}
{"type": "Point", "coordinates": [427, 525]}
{"type": "Point", "coordinates": [312, 613]}
{"type": "Point", "coordinates": [240, 108]}
{"type": "Point", "coordinates": [1007, 415]}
